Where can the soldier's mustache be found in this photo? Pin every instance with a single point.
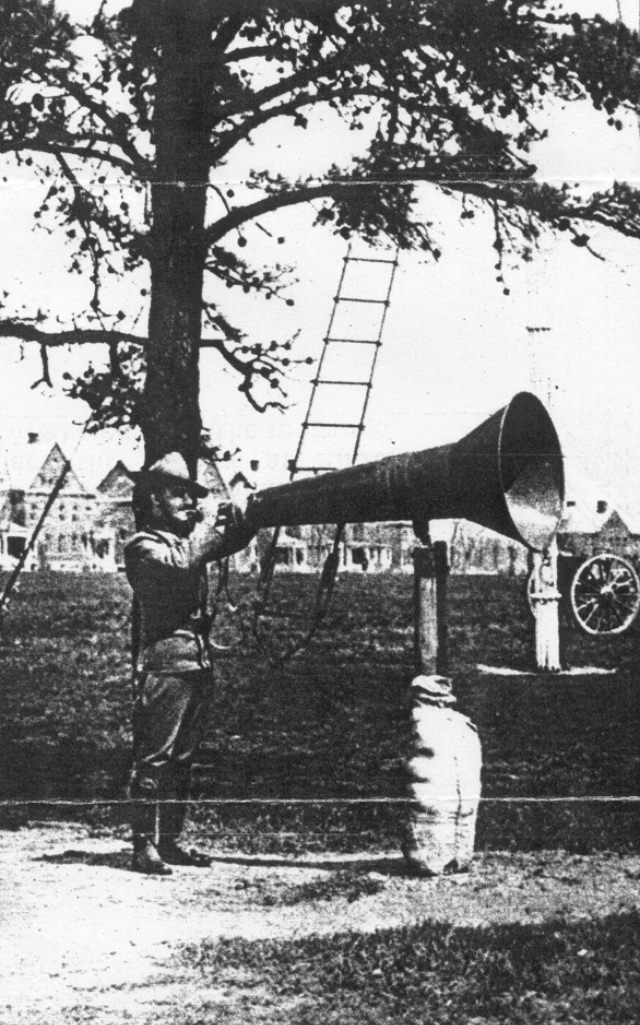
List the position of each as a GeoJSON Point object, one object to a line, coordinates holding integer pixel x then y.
{"type": "Point", "coordinates": [195, 515]}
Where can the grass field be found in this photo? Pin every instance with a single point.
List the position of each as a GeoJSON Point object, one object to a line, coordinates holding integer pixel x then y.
{"type": "Point", "coordinates": [513, 975]}
{"type": "Point", "coordinates": [331, 725]}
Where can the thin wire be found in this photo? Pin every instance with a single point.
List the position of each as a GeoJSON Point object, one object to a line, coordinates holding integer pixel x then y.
{"type": "Point", "coordinates": [320, 801]}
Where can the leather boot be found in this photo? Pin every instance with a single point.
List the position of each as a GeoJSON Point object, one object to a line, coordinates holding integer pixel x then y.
{"type": "Point", "coordinates": [173, 853]}
{"type": "Point", "coordinates": [143, 794]}
{"type": "Point", "coordinates": [147, 859]}
{"type": "Point", "coordinates": [172, 814]}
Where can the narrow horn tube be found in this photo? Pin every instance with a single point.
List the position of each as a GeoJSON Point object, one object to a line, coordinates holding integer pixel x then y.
{"type": "Point", "coordinates": [507, 475]}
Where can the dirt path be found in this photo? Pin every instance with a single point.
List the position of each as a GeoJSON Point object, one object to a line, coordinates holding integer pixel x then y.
{"type": "Point", "coordinates": [85, 940]}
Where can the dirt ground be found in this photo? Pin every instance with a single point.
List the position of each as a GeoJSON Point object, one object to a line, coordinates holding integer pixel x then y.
{"type": "Point", "coordinates": [85, 940]}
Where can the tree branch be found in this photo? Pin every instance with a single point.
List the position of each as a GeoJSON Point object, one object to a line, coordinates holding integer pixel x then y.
{"type": "Point", "coordinates": [227, 31]}
{"type": "Point", "coordinates": [248, 370]}
{"type": "Point", "coordinates": [336, 187]}
{"type": "Point", "coordinates": [298, 80]}
{"type": "Point", "coordinates": [38, 145]}
{"type": "Point", "coordinates": [513, 188]}
{"type": "Point", "coordinates": [119, 136]}
{"type": "Point", "coordinates": [549, 206]}
{"type": "Point", "coordinates": [277, 201]}
{"type": "Point", "coordinates": [26, 332]}
{"type": "Point", "coordinates": [46, 375]}
{"type": "Point", "coordinates": [246, 53]}
{"type": "Point", "coordinates": [232, 136]}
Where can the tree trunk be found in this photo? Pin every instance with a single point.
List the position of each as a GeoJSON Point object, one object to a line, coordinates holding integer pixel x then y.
{"type": "Point", "coordinates": [171, 412]}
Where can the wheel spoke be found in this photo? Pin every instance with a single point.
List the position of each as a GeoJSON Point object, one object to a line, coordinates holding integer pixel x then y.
{"type": "Point", "coordinates": [590, 614]}
{"type": "Point", "coordinates": [620, 575]}
{"type": "Point", "coordinates": [605, 594]}
{"type": "Point", "coordinates": [598, 622]}
{"type": "Point", "coordinates": [618, 616]}
{"type": "Point", "coordinates": [611, 620]}
{"type": "Point", "coordinates": [586, 610]}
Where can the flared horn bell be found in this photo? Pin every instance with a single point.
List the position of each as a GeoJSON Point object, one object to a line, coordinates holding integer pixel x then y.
{"type": "Point", "coordinates": [507, 475]}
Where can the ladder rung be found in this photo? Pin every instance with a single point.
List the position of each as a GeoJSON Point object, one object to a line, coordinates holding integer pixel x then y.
{"type": "Point", "coordinates": [327, 380]}
{"type": "Point", "coordinates": [321, 423]}
{"type": "Point", "coordinates": [313, 469]}
{"type": "Point", "coordinates": [353, 299]}
{"type": "Point", "coordinates": [370, 259]}
{"type": "Point", "coordinates": [355, 341]}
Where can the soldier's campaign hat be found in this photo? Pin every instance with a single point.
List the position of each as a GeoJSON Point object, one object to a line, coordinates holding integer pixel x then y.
{"type": "Point", "coordinates": [172, 467]}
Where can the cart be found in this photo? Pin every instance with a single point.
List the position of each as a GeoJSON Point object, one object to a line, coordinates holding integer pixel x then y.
{"type": "Point", "coordinates": [600, 594]}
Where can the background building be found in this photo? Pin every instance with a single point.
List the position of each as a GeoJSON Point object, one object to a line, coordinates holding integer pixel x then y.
{"type": "Point", "coordinates": [80, 529]}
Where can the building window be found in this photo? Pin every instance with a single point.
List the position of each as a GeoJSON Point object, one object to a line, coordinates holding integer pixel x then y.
{"type": "Point", "coordinates": [74, 513]}
{"type": "Point", "coordinates": [61, 543]}
{"type": "Point", "coordinates": [15, 546]}
{"type": "Point", "coordinates": [61, 511]}
{"type": "Point", "coordinates": [102, 548]}
{"type": "Point", "coordinates": [359, 558]}
{"type": "Point", "coordinates": [283, 556]}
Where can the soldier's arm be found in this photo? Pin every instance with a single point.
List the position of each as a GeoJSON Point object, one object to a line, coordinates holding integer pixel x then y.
{"type": "Point", "coordinates": [222, 535]}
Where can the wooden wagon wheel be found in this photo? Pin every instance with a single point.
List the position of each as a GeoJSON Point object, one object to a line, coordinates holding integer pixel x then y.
{"type": "Point", "coordinates": [605, 595]}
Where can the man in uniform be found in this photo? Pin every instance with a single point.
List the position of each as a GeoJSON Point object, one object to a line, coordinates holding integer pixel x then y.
{"type": "Point", "coordinates": [166, 567]}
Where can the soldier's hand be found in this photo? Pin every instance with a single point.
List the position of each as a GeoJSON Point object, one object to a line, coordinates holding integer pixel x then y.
{"type": "Point", "coordinates": [234, 528]}
{"type": "Point", "coordinates": [225, 516]}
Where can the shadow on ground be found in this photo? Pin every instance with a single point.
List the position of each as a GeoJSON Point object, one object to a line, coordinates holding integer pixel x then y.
{"type": "Point", "coordinates": [112, 859]}
{"type": "Point", "coordinates": [557, 971]}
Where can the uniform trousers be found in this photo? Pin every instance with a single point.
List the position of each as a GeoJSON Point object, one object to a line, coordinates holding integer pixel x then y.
{"type": "Point", "coordinates": [169, 717]}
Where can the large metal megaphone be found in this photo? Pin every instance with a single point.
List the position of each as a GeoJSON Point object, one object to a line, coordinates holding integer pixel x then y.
{"type": "Point", "coordinates": [507, 475]}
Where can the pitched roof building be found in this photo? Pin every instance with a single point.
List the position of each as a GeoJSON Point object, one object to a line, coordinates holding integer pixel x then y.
{"type": "Point", "coordinates": [67, 525]}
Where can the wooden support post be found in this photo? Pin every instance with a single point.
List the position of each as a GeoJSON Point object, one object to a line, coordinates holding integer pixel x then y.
{"type": "Point", "coordinates": [544, 600]}
{"type": "Point", "coordinates": [431, 570]}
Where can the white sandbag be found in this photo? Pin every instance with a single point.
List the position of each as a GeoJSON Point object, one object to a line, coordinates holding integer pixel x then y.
{"type": "Point", "coordinates": [444, 769]}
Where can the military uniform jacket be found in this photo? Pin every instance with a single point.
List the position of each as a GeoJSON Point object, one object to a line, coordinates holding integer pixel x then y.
{"type": "Point", "coordinates": [171, 600]}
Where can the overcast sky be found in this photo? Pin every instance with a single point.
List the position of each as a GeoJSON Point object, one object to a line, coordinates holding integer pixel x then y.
{"type": "Point", "coordinates": [455, 348]}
